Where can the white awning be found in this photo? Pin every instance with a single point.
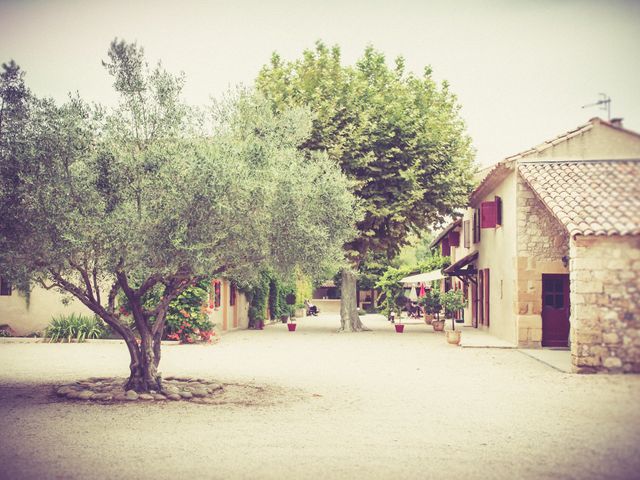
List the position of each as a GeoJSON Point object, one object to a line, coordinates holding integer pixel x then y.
{"type": "Point", "coordinates": [422, 277]}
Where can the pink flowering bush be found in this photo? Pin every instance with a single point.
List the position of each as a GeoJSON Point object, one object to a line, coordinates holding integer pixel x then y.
{"type": "Point", "coordinates": [188, 316]}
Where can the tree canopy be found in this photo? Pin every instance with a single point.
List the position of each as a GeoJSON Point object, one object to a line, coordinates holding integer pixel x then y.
{"type": "Point", "coordinates": [396, 135]}
{"type": "Point", "coordinates": [156, 195]}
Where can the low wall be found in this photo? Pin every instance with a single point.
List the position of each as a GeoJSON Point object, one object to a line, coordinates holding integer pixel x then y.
{"type": "Point", "coordinates": [327, 306]}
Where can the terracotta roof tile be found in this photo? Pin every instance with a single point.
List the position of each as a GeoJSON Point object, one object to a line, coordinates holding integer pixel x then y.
{"type": "Point", "coordinates": [589, 197]}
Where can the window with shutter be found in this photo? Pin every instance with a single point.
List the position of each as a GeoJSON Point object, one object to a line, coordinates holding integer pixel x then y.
{"type": "Point", "coordinates": [217, 293]}
{"type": "Point", "coordinates": [446, 248]}
{"type": "Point", "coordinates": [232, 294]}
{"type": "Point", "coordinates": [454, 239]}
{"type": "Point", "coordinates": [498, 202]}
{"type": "Point", "coordinates": [488, 215]}
{"type": "Point", "coordinates": [476, 226]}
{"type": "Point", "coordinates": [466, 233]}
{"type": "Point", "coordinates": [5, 287]}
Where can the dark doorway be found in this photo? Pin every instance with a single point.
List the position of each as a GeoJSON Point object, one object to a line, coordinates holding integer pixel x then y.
{"type": "Point", "coordinates": [555, 310]}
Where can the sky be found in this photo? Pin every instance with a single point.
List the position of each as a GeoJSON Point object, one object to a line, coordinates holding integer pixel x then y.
{"type": "Point", "coordinates": [521, 69]}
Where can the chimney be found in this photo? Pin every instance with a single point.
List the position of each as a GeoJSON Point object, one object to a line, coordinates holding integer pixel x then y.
{"type": "Point", "coordinates": [616, 122]}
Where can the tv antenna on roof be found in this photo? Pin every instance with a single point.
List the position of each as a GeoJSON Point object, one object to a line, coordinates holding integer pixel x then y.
{"type": "Point", "coordinates": [604, 102]}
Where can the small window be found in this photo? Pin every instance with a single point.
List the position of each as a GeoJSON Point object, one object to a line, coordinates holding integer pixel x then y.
{"type": "Point", "coordinates": [232, 294]}
{"type": "Point", "coordinates": [467, 233]}
{"type": "Point", "coordinates": [5, 287]}
{"type": "Point", "coordinates": [454, 239]}
{"type": "Point", "coordinates": [217, 293]}
{"type": "Point", "coordinates": [476, 226]}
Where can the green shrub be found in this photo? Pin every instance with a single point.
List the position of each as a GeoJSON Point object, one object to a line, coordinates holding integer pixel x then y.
{"type": "Point", "coordinates": [432, 302]}
{"type": "Point", "coordinates": [74, 327]}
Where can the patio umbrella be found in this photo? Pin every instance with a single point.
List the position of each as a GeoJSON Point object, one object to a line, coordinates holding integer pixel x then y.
{"type": "Point", "coordinates": [422, 291]}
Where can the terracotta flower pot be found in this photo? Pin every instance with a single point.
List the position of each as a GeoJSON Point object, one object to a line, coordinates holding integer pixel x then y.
{"type": "Point", "coordinates": [454, 336]}
{"type": "Point", "coordinates": [292, 326]}
{"type": "Point", "coordinates": [428, 318]}
{"type": "Point", "coordinates": [399, 327]}
{"type": "Point", "coordinates": [438, 325]}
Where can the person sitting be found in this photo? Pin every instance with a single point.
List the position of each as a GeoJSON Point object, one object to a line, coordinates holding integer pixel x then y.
{"type": "Point", "coordinates": [311, 308]}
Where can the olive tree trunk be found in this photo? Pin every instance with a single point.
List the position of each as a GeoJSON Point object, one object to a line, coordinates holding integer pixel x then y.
{"type": "Point", "coordinates": [144, 375]}
{"type": "Point", "coordinates": [349, 318]}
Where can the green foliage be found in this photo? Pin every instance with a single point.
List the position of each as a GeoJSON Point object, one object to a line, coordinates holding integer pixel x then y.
{"type": "Point", "coordinates": [452, 301]}
{"type": "Point", "coordinates": [257, 292]}
{"type": "Point", "coordinates": [304, 289]}
{"type": "Point", "coordinates": [398, 136]}
{"type": "Point", "coordinates": [268, 290]}
{"type": "Point", "coordinates": [432, 302]}
{"type": "Point", "coordinates": [74, 327]}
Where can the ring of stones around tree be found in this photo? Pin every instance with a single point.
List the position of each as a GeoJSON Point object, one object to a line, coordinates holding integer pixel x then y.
{"type": "Point", "coordinates": [107, 390]}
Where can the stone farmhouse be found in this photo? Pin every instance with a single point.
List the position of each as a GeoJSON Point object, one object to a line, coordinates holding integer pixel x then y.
{"type": "Point", "coordinates": [548, 251]}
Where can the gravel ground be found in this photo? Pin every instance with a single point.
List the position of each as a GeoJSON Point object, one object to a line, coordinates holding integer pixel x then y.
{"type": "Point", "coordinates": [317, 404]}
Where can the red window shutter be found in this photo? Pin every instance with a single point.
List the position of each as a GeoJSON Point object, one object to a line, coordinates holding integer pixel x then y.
{"type": "Point", "coordinates": [481, 297]}
{"type": "Point", "coordinates": [217, 293]}
{"type": "Point", "coordinates": [498, 202]}
{"type": "Point", "coordinates": [454, 239]}
{"type": "Point", "coordinates": [232, 294]}
{"type": "Point", "coordinates": [488, 215]}
{"type": "Point", "coordinates": [487, 296]}
{"type": "Point", "coordinates": [446, 248]}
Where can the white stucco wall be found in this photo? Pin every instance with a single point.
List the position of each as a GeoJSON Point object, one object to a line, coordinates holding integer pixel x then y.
{"type": "Point", "coordinates": [497, 249]}
{"type": "Point", "coordinates": [34, 316]}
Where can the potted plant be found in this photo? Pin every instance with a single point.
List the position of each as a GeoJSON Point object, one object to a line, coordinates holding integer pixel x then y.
{"type": "Point", "coordinates": [453, 301]}
{"type": "Point", "coordinates": [432, 306]}
{"type": "Point", "coordinates": [292, 324]}
{"type": "Point", "coordinates": [291, 305]}
{"type": "Point", "coordinates": [401, 301]}
{"type": "Point", "coordinates": [429, 306]}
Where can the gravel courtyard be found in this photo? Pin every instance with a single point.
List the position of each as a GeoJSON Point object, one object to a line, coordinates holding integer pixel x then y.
{"type": "Point", "coordinates": [317, 404]}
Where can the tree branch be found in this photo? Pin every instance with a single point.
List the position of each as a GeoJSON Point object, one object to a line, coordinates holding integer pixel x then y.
{"type": "Point", "coordinates": [98, 309]}
{"type": "Point", "coordinates": [85, 278]}
{"type": "Point", "coordinates": [111, 306]}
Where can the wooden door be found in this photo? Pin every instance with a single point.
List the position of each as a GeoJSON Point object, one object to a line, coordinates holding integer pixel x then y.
{"type": "Point", "coordinates": [555, 310]}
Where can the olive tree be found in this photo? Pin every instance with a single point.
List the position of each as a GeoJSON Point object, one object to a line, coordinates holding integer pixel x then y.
{"type": "Point", "coordinates": [155, 195]}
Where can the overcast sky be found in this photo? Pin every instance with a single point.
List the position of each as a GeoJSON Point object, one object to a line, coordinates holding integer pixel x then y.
{"type": "Point", "coordinates": [521, 69]}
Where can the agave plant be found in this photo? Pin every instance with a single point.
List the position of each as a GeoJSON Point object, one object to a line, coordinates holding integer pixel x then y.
{"type": "Point", "coordinates": [73, 327]}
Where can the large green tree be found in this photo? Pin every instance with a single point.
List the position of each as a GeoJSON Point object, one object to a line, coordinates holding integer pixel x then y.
{"type": "Point", "coordinates": [398, 136]}
{"type": "Point", "coordinates": [154, 196]}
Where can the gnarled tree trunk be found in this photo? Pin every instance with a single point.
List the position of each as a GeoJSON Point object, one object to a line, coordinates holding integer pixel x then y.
{"type": "Point", "coordinates": [349, 318]}
{"type": "Point", "coordinates": [144, 375]}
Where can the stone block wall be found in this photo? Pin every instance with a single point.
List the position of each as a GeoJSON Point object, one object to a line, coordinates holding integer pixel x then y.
{"type": "Point", "coordinates": [542, 242]}
{"type": "Point", "coordinates": [605, 304]}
